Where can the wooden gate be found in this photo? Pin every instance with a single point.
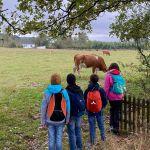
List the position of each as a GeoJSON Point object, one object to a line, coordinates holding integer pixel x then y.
{"type": "Point", "coordinates": [135, 115]}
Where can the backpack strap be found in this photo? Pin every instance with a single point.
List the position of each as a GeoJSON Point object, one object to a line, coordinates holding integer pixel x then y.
{"type": "Point", "coordinates": [51, 104]}
{"type": "Point", "coordinates": [63, 104]}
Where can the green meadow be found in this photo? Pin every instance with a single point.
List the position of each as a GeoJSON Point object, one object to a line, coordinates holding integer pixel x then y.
{"type": "Point", "coordinates": [25, 73]}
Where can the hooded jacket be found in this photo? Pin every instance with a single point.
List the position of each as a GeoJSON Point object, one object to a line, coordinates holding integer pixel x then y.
{"type": "Point", "coordinates": [96, 86]}
{"type": "Point", "coordinates": [109, 83]}
{"type": "Point", "coordinates": [74, 89]}
{"type": "Point", "coordinates": [53, 89]}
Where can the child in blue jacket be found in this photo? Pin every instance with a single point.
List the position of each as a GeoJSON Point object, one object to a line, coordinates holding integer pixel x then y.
{"type": "Point", "coordinates": [55, 112]}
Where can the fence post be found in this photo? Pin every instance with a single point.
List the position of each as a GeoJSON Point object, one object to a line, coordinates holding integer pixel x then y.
{"type": "Point", "coordinates": [138, 115]}
{"type": "Point", "coordinates": [121, 117]}
{"type": "Point", "coordinates": [129, 113]}
{"type": "Point", "coordinates": [143, 115]}
{"type": "Point", "coordinates": [125, 113]}
{"type": "Point", "coordinates": [134, 114]}
{"type": "Point", "coordinates": [148, 115]}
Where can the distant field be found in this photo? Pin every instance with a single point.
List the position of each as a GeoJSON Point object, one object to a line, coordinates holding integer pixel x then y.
{"type": "Point", "coordinates": [21, 67]}
{"type": "Point", "coordinates": [24, 73]}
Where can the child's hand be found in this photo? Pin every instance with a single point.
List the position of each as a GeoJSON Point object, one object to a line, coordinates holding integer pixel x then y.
{"type": "Point", "coordinates": [67, 122]}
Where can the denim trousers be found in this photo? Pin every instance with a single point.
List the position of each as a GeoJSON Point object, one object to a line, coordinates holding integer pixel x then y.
{"type": "Point", "coordinates": [74, 133]}
{"type": "Point", "coordinates": [115, 112]}
{"type": "Point", "coordinates": [92, 125]}
{"type": "Point", "coordinates": [55, 133]}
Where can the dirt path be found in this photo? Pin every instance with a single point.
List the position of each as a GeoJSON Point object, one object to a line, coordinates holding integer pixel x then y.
{"type": "Point", "coordinates": [113, 142]}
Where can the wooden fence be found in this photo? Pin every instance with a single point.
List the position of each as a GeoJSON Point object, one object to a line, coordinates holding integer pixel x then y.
{"type": "Point", "coordinates": [135, 115]}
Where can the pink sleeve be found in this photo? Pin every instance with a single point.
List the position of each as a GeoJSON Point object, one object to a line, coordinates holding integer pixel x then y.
{"type": "Point", "coordinates": [107, 83]}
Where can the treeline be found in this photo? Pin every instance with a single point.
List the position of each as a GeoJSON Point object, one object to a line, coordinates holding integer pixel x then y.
{"type": "Point", "coordinates": [79, 41]}
{"type": "Point", "coordinates": [16, 41]}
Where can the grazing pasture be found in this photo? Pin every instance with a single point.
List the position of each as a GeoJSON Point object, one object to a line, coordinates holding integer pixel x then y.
{"type": "Point", "coordinates": [24, 73]}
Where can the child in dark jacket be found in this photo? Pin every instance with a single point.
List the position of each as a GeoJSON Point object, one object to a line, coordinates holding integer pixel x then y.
{"type": "Point", "coordinates": [74, 125]}
{"type": "Point", "coordinates": [97, 116]}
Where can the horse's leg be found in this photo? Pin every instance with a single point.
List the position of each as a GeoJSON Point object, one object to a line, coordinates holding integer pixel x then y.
{"type": "Point", "coordinates": [96, 70]}
{"type": "Point", "coordinates": [74, 69]}
{"type": "Point", "coordinates": [78, 69]}
{"type": "Point", "coordinates": [93, 69]}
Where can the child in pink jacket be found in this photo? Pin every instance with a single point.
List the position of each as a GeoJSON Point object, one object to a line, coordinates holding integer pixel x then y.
{"type": "Point", "coordinates": [115, 99]}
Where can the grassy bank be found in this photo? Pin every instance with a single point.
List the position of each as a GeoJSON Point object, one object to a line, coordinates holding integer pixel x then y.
{"type": "Point", "coordinates": [24, 73]}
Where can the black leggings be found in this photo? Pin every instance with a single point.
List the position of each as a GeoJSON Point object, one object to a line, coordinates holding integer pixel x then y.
{"type": "Point", "coordinates": [115, 112]}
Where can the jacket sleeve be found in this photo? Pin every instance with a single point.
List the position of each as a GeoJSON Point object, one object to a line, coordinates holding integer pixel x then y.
{"type": "Point", "coordinates": [103, 97]}
{"type": "Point", "coordinates": [107, 83]}
{"type": "Point", "coordinates": [85, 96]}
{"type": "Point", "coordinates": [66, 96]}
{"type": "Point", "coordinates": [44, 105]}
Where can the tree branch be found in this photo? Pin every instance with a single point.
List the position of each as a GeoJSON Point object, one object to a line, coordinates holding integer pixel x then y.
{"type": "Point", "coordinates": [11, 25]}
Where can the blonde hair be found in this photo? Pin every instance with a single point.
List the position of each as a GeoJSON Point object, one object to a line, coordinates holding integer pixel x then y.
{"type": "Point", "coordinates": [55, 79]}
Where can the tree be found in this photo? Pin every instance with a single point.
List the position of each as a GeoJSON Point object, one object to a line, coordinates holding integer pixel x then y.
{"type": "Point", "coordinates": [59, 17]}
{"type": "Point", "coordinates": [42, 40]}
{"type": "Point", "coordinates": [134, 25]}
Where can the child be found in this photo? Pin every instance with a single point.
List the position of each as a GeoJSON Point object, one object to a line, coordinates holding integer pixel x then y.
{"type": "Point", "coordinates": [95, 103]}
{"type": "Point", "coordinates": [114, 87]}
{"type": "Point", "coordinates": [55, 112]}
{"type": "Point", "coordinates": [77, 108]}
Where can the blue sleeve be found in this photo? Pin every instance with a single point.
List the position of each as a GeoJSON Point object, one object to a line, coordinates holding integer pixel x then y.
{"type": "Point", "coordinates": [66, 96]}
{"type": "Point", "coordinates": [103, 96]}
{"type": "Point", "coordinates": [44, 104]}
{"type": "Point", "coordinates": [85, 96]}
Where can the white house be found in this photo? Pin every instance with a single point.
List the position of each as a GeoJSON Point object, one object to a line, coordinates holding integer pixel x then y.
{"type": "Point", "coordinates": [28, 45]}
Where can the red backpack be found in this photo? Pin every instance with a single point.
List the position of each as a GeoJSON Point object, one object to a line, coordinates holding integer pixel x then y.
{"type": "Point", "coordinates": [94, 101]}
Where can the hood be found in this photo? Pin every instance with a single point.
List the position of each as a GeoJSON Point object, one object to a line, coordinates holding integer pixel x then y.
{"type": "Point", "coordinates": [53, 89]}
{"type": "Point", "coordinates": [74, 88]}
{"type": "Point", "coordinates": [92, 86]}
{"type": "Point", "coordinates": [114, 71]}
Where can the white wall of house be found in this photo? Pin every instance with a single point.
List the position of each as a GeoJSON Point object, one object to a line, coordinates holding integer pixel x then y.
{"type": "Point", "coordinates": [28, 45]}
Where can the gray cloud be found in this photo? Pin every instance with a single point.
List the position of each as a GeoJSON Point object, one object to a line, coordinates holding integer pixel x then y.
{"type": "Point", "coordinates": [100, 26]}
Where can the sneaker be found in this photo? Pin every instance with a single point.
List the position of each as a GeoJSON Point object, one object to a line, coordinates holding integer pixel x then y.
{"type": "Point", "coordinates": [103, 138]}
{"type": "Point", "coordinates": [115, 131]}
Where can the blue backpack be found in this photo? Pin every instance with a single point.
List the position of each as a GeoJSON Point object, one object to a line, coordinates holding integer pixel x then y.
{"type": "Point", "coordinates": [119, 85]}
{"type": "Point", "coordinates": [77, 103]}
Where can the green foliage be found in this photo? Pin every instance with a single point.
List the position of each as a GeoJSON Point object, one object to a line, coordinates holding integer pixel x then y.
{"type": "Point", "coordinates": [134, 25]}
{"type": "Point", "coordinates": [56, 17]}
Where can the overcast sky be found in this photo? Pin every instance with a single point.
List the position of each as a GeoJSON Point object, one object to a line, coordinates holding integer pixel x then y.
{"type": "Point", "coordinates": [100, 26]}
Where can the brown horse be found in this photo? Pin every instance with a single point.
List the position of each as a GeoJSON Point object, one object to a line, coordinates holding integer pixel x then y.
{"type": "Point", "coordinates": [106, 52]}
{"type": "Point", "coordinates": [97, 63]}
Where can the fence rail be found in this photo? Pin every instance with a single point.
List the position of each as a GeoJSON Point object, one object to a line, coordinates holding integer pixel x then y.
{"type": "Point", "coordinates": [135, 115]}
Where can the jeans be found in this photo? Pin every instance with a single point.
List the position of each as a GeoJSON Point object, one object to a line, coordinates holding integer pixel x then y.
{"type": "Point", "coordinates": [55, 133]}
{"type": "Point", "coordinates": [92, 125]}
{"type": "Point", "coordinates": [115, 112]}
{"type": "Point", "coordinates": [74, 133]}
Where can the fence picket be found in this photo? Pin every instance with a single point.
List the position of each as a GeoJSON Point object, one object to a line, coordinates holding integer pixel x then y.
{"type": "Point", "coordinates": [148, 115]}
{"type": "Point", "coordinates": [125, 113]}
{"type": "Point", "coordinates": [143, 115]}
{"type": "Point", "coordinates": [138, 115]}
{"type": "Point", "coordinates": [135, 115]}
{"type": "Point", "coordinates": [129, 113]}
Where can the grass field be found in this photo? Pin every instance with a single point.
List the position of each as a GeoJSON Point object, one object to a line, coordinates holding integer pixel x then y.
{"type": "Point", "coordinates": [24, 73]}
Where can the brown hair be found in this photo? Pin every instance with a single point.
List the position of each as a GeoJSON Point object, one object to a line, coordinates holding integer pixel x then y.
{"type": "Point", "coordinates": [55, 79]}
{"type": "Point", "coordinates": [114, 66]}
{"type": "Point", "coordinates": [94, 78]}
